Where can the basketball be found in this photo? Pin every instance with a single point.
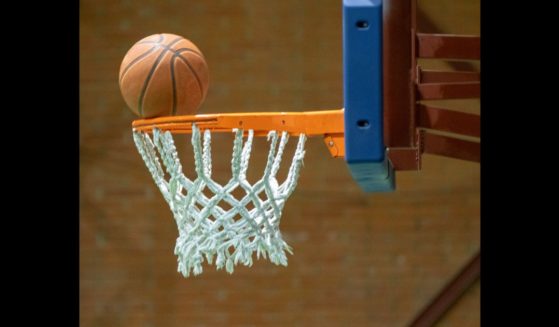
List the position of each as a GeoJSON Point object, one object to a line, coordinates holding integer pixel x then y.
{"type": "Point", "coordinates": [164, 75]}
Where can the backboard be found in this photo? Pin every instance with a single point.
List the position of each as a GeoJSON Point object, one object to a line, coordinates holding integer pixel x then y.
{"type": "Point", "coordinates": [365, 151]}
{"type": "Point", "coordinates": [391, 111]}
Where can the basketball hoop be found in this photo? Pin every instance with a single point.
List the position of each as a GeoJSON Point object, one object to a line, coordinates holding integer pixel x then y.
{"type": "Point", "coordinates": [207, 230]}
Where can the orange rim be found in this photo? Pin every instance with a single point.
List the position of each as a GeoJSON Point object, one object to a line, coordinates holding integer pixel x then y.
{"type": "Point", "coordinates": [310, 123]}
{"type": "Point", "coordinates": [326, 123]}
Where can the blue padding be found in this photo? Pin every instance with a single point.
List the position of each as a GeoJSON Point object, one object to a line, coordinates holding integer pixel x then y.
{"type": "Point", "coordinates": [363, 116]}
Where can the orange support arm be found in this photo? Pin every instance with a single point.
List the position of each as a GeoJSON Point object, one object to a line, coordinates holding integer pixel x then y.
{"type": "Point", "coordinates": [326, 123]}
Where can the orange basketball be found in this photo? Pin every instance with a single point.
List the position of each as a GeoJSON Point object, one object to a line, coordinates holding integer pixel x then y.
{"type": "Point", "coordinates": [163, 75]}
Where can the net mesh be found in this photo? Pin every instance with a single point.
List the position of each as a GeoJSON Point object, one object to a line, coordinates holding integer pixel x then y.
{"type": "Point", "coordinates": [206, 229]}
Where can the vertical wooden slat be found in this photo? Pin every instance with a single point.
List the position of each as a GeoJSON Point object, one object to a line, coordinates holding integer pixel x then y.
{"type": "Point", "coordinates": [397, 63]}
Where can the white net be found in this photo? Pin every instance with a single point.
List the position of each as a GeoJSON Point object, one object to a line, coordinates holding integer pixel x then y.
{"type": "Point", "coordinates": [233, 235]}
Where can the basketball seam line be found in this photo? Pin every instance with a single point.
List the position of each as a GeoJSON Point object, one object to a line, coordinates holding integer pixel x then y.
{"type": "Point", "coordinates": [137, 59]}
{"type": "Point", "coordinates": [148, 78]}
{"type": "Point", "coordinates": [192, 70]}
{"type": "Point", "coordinates": [167, 47]}
{"type": "Point", "coordinates": [173, 82]}
{"type": "Point", "coordinates": [179, 51]}
{"type": "Point", "coordinates": [161, 37]}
